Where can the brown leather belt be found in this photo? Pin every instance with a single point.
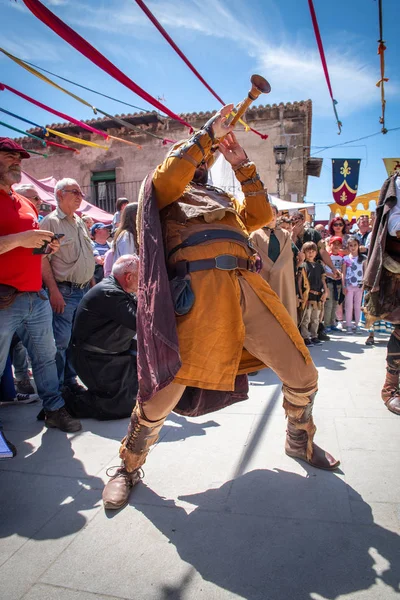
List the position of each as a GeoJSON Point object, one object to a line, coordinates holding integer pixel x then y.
{"type": "Point", "coordinates": [223, 262]}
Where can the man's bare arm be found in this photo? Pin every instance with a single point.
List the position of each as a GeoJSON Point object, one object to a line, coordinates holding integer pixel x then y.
{"type": "Point", "coordinates": [34, 238]}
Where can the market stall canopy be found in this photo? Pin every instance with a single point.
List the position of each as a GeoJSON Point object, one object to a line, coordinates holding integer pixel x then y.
{"type": "Point", "coordinates": [45, 190]}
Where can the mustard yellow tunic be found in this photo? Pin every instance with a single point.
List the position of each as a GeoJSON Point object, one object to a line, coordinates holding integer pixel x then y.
{"type": "Point", "coordinates": [211, 335]}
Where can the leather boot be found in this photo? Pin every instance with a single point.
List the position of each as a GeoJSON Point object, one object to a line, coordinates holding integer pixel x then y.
{"type": "Point", "coordinates": [390, 392]}
{"type": "Point", "coordinates": [116, 492]}
{"type": "Point", "coordinates": [298, 446]}
{"type": "Point", "coordinates": [142, 434]}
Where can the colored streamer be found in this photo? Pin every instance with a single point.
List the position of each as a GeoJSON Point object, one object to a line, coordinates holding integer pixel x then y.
{"type": "Point", "coordinates": [80, 44]}
{"type": "Point", "coordinates": [43, 77]}
{"type": "Point", "coordinates": [25, 133]}
{"type": "Point", "coordinates": [323, 60]}
{"type": "Point", "coordinates": [383, 79]}
{"type": "Point", "coordinates": [34, 152]}
{"type": "Point", "coordinates": [75, 140]}
{"type": "Point", "coordinates": [22, 119]}
{"type": "Point", "coordinates": [171, 42]}
{"type": "Point", "coordinates": [81, 100]}
{"type": "Point", "coordinates": [49, 143]}
{"type": "Point", "coordinates": [52, 110]}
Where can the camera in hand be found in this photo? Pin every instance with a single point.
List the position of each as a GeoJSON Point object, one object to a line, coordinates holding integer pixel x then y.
{"type": "Point", "coordinates": [45, 249]}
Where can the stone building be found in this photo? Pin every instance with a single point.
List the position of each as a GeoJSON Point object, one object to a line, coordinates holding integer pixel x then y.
{"type": "Point", "coordinates": [117, 172]}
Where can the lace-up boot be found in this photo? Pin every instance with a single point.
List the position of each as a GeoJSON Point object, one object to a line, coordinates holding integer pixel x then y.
{"type": "Point", "coordinates": [390, 392]}
{"type": "Point", "coordinates": [116, 492]}
{"type": "Point", "coordinates": [142, 434]}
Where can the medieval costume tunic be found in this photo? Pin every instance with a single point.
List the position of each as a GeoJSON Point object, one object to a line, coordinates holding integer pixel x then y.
{"type": "Point", "coordinates": [193, 354]}
{"type": "Point", "coordinates": [279, 273]}
{"type": "Point", "coordinates": [382, 282]}
{"type": "Point", "coordinates": [211, 336]}
{"type": "Point", "coordinates": [104, 352]}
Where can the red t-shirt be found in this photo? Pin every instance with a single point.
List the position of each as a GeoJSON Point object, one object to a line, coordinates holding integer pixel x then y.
{"type": "Point", "coordinates": [19, 267]}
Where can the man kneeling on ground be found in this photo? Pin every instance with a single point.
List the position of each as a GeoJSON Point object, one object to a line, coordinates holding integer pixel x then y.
{"type": "Point", "coordinates": [103, 345]}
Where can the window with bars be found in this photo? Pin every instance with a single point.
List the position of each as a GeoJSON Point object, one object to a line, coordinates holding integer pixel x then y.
{"type": "Point", "coordinates": [103, 192]}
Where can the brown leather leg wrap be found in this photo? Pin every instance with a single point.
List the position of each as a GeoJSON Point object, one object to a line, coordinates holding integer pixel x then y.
{"type": "Point", "coordinates": [391, 386]}
{"type": "Point", "coordinates": [300, 427]}
{"type": "Point", "coordinates": [142, 434]}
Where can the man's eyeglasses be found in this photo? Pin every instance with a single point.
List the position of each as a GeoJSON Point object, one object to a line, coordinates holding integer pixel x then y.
{"type": "Point", "coordinates": [74, 192]}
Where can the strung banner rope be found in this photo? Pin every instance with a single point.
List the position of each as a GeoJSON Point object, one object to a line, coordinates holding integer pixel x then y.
{"type": "Point", "coordinates": [80, 44]}
{"type": "Point", "coordinates": [323, 60]}
{"type": "Point", "coordinates": [383, 79]}
{"type": "Point", "coordinates": [52, 110]}
{"type": "Point", "coordinates": [133, 128]}
{"type": "Point", "coordinates": [76, 140]}
{"type": "Point", "coordinates": [22, 119]}
{"type": "Point", "coordinates": [171, 42]}
{"type": "Point", "coordinates": [25, 133]}
{"type": "Point", "coordinates": [33, 71]}
{"type": "Point", "coordinates": [34, 152]}
{"type": "Point", "coordinates": [145, 110]}
{"type": "Point", "coordinates": [48, 143]}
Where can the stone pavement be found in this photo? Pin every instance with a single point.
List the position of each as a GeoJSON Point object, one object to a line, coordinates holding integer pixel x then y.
{"type": "Point", "coordinates": [222, 513]}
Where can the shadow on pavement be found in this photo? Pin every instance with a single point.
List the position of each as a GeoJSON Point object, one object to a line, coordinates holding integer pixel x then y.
{"type": "Point", "coordinates": [176, 428]}
{"type": "Point", "coordinates": [30, 499]}
{"type": "Point", "coordinates": [258, 546]}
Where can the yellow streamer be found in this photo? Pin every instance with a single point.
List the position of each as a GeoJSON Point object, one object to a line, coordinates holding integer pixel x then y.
{"type": "Point", "coordinates": [44, 78]}
{"type": "Point", "coordinates": [70, 138]}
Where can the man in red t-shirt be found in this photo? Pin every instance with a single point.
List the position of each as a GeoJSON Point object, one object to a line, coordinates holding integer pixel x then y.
{"type": "Point", "coordinates": [24, 305]}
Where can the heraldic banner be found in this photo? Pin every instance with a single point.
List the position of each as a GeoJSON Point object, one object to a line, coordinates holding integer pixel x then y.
{"type": "Point", "coordinates": [345, 173]}
{"type": "Point", "coordinates": [392, 165]}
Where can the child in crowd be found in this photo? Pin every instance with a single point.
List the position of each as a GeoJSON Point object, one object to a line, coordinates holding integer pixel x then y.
{"type": "Point", "coordinates": [353, 274]}
{"type": "Point", "coordinates": [317, 294]}
{"type": "Point", "coordinates": [334, 284]}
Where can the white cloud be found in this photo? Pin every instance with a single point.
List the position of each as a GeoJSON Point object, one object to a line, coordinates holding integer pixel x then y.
{"type": "Point", "coordinates": [30, 49]}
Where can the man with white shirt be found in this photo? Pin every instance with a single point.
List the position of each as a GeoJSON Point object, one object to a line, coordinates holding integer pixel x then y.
{"type": "Point", "coordinates": [382, 282]}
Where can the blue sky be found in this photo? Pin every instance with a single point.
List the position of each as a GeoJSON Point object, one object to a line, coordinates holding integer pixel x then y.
{"type": "Point", "coordinates": [227, 41]}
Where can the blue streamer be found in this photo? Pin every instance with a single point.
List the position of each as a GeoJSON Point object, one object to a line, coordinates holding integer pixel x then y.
{"type": "Point", "coordinates": [22, 119]}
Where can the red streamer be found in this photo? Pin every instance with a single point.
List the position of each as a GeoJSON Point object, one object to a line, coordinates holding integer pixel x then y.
{"type": "Point", "coordinates": [48, 143]}
{"type": "Point", "coordinates": [323, 60]}
{"type": "Point", "coordinates": [52, 110]}
{"type": "Point", "coordinates": [75, 40]}
{"type": "Point", "coordinates": [171, 42]}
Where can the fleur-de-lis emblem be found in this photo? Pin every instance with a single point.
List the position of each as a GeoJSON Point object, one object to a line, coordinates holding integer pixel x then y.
{"type": "Point", "coordinates": [343, 196]}
{"type": "Point", "coordinates": [345, 170]}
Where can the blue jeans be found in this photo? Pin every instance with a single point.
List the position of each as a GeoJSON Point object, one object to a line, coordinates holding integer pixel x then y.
{"type": "Point", "coordinates": [30, 315]}
{"type": "Point", "coordinates": [20, 361]}
{"type": "Point", "coordinates": [62, 329]}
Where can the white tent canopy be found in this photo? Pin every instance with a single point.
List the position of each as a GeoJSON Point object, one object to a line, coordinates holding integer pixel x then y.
{"type": "Point", "coordinates": [221, 175]}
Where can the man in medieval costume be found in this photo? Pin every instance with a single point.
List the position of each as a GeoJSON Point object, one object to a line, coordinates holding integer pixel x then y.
{"type": "Point", "coordinates": [206, 318]}
{"type": "Point", "coordinates": [280, 258]}
{"type": "Point", "coordinates": [382, 283]}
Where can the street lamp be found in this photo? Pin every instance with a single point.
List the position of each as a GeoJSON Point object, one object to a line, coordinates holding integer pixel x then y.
{"type": "Point", "coordinates": [280, 153]}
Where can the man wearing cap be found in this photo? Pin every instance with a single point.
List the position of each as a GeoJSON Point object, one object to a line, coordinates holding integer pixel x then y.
{"type": "Point", "coordinates": [100, 234]}
{"type": "Point", "coordinates": [68, 274]}
{"type": "Point", "coordinates": [24, 305]}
